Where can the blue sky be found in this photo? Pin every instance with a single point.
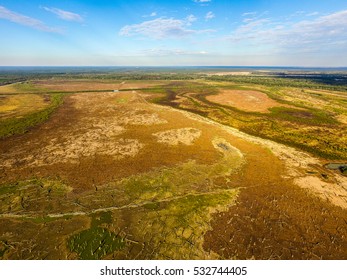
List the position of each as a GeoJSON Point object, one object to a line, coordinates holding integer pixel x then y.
{"type": "Point", "coordinates": [170, 33]}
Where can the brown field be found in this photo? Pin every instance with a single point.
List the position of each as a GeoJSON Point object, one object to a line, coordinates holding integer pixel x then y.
{"type": "Point", "coordinates": [87, 85]}
{"type": "Point", "coordinates": [111, 176]}
{"type": "Point", "coordinates": [246, 100]}
{"type": "Point", "coordinates": [85, 136]}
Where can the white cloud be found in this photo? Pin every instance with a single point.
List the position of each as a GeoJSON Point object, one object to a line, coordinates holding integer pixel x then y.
{"type": "Point", "coordinates": [325, 32]}
{"type": "Point", "coordinates": [153, 14]}
{"type": "Point", "coordinates": [26, 21]}
{"type": "Point", "coordinates": [299, 12]}
{"type": "Point", "coordinates": [203, 2]}
{"type": "Point", "coordinates": [249, 14]}
{"type": "Point", "coordinates": [65, 15]}
{"type": "Point", "coordinates": [312, 14]}
{"type": "Point", "coordinates": [252, 25]}
{"type": "Point", "coordinates": [161, 28]}
{"type": "Point", "coordinates": [191, 18]}
{"type": "Point", "coordinates": [246, 20]}
{"type": "Point", "coordinates": [209, 15]}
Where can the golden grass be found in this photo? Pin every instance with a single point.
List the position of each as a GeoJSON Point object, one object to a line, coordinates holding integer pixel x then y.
{"type": "Point", "coordinates": [214, 194]}
{"type": "Point", "coordinates": [247, 100]}
{"type": "Point", "coordinates": [19, 105]}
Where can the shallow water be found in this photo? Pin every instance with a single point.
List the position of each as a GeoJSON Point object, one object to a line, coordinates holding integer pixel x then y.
{"type": "Point", "coordinates": [335, 166]}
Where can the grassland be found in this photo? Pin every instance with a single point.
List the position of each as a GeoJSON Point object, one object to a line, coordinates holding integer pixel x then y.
{"type": "Point", "coordinates": [306, 120]}
{"type": "Point", "coordinates": [23, 106]}
{"type": "Point", "coordinates": [172, 169]}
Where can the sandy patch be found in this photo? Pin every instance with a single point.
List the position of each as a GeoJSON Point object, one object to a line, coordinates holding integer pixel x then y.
{"type": "Point", "coordinates": [173, 137]}
{"type": "Point", "coordinates": [247, 100]}
{"type": "Point", "coordinates": [99, 140]}
{"type": "Point", "coordinates": [87, 145]}
{"type": "Point", "coordinates": [225, 147]}
{"type": "Point", "coordinates": [336, 193]}
{"type": "Point", "coordinates": [138, 117]}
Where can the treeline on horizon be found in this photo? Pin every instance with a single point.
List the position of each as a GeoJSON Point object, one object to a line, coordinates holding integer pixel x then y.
{"type": "Point", "coordinates": [330, 81]}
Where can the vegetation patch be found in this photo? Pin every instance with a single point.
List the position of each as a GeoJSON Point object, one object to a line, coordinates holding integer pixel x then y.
{"type": "Point", "coordinates": [297, 122]}
{"type": "Point", "coordinates": [177, 228]}
{"type": "Point", "coordinates": [95, 243]}
{"type": "Point", "coordinates": [101, 218]}
{"type": "Point", "coordinates": [4, 247]}
{"type": "Point", "coordinates": [309, 117]}
{"type": "Point", "coordinates": [22, 124]}
{"type": "Point", "coordinates": [35, 195]}
{"type": "Point", "coordinates": [247, 100]}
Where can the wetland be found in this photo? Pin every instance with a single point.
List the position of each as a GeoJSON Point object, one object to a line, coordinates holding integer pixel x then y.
{"type": "Point", "coordinates": [173, 164]}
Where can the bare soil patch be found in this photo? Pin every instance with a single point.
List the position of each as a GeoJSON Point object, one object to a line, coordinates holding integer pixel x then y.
{"type": "Point", "coordinates": [334, 191]}
{"type": "Point", "coordinates": [141, 117]}
{"type": "Point", "coordinates": [185, 136]}
{"type": "Point", "coordinates": [247, 100]}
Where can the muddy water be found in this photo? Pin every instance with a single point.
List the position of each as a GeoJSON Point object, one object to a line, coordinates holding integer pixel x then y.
{"type": "Point", "coordinates": [337, 166]}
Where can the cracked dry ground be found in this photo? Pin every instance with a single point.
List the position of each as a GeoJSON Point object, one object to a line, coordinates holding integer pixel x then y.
{"type": "Point", "coordinates": [110, 176]}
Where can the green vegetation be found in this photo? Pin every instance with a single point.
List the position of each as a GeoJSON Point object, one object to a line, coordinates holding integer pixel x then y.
{"type": "Point", "coordinates": [95, 243]}
{"type": "Point", "coordinates": [279, 82]}
{"type": "Point", "coordinates": [102, 218]}
{"type": "Point", "coordinates": [308, 117]}
{"type": "Point", "coordinates": [3, 248]}
{"type": "Point", "coordinates": [304, 126]}
{"type": "Point", "coordinates": [37, 195]}
{"type": "Point", "coordinates": [22, 124]}
{"type": "Point", "coordinates": [27, 87]}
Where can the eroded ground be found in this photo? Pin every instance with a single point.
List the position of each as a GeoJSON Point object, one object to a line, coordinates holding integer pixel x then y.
{"type": "Point", "coordinates": [112, 176]}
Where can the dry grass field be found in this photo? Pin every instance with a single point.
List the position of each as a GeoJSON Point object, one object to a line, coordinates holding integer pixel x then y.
{"type": "Point", "coordinates": [172, 170]}
{"type": "Point", "coordinates": [17, 105]}
{"type": "Point", "coordinates": [249, 101]}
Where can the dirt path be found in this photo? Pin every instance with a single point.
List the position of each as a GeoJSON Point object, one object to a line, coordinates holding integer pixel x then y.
{"type": "Point", "coordinates": [113, 208]}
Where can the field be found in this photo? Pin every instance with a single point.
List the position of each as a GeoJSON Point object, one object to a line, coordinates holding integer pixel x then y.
{"type": "Point", "coordinates": [196, 166]}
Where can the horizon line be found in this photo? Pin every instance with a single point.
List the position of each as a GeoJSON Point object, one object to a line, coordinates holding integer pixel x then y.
{"type": "Point", "coordinates": [172, 66]}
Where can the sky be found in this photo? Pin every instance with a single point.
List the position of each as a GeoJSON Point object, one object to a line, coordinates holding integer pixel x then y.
{"type": "Point", "coordinates": [173, 33]}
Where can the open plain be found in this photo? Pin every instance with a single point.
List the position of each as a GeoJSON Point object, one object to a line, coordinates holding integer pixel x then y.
{"type": "Point", "coordinates": [208, 168]}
